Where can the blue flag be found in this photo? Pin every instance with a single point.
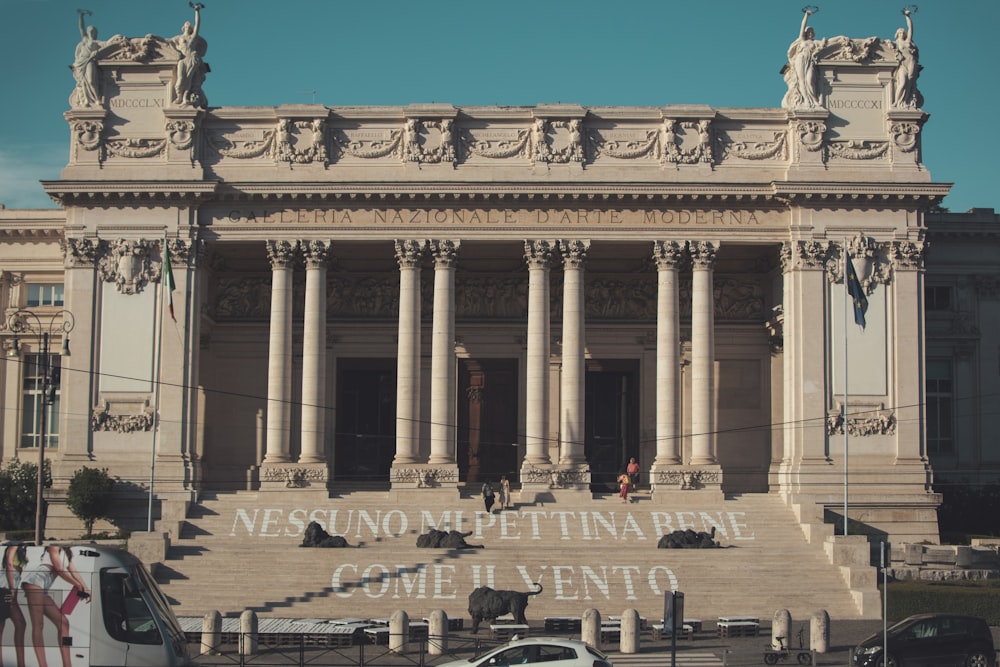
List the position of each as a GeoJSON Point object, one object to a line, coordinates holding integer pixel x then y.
{"type": "Point", "coordinates": [857, 293]}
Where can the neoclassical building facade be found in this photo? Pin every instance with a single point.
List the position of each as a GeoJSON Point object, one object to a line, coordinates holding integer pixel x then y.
{"type": "Point", "coordinates": [427, 296]}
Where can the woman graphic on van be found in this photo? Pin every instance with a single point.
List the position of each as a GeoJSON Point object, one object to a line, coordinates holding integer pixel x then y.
{"type": "Point", "coordinates": [36, 581]}
{"type": "Point", "coordinates": [13, 562]}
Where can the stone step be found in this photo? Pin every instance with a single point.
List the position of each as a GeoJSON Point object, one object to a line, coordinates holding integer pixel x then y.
{"type": "Point", "coordinates": [587, 552]}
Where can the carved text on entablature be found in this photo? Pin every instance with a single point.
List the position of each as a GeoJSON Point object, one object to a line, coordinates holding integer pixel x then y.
{"type": "Point", "coordinates": [136, 103]}
{"type": "Point", "coordinates": [499, 217]}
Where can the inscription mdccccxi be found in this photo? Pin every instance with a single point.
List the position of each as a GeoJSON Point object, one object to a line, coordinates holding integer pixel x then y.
{"type": "Point", "coordinates": [635, 576]}
{"type": "Point", "coordinates": [493, 217]}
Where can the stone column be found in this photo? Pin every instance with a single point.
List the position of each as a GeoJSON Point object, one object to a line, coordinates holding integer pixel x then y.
{"type": "Point", "coordinates": [279, 356]}
{"type": "Point", "coordinates": [668, 255]}
{"type": "Point", "coordinates": [408, 255]}
{"type": "Point", "coordinates": [702, 352]}
{"type": "Point", "coordinates": [571, 409]}
{"type": "Point", "coordinates": [443, 382]}
{"type": "Point", "coordinates": [314, 353]}
{"type": "Point", "coordinates": [536, 391]}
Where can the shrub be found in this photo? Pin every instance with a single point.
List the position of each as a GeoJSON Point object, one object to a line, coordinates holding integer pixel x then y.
{"type": "Point", "coordinates": [89, 495]}
{"type": "Point", "coordinates": [979, 598]}
{"type": "Point", "coordinates": [18, 491]}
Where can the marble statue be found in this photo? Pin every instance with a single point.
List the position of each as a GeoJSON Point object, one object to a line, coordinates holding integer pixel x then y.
{"type": "Point", "coordinates": [86, 93]}
{"type": "Point", "coordinates": [800, 73]}
{"type": "Point", "coordinates": [904, 78]}
{"type": "Point", "coordinates": [191, 68]}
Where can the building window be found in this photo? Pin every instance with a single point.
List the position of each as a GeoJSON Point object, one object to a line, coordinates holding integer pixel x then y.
{"type": "Point", "coordinates": [940, 408]}
{"type": "Point", "coordinates": [937, 297]}
{"type": "Point", "coordinates": [44, 295]}
{"type": "Point", "coordinates": [33, 402]}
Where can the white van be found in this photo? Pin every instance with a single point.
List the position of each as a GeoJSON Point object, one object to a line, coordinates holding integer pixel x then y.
{"type": "Point", "coordinates": [83, 605]}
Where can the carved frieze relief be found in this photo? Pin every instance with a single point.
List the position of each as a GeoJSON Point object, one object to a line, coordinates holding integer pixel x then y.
{"type": "Point", "coordinates": [87, 133]}
{"type": "Point", "coordinates": [102, 419]}
{"type": "Point", "coordinates": [240, 148]}
{"type": "Point", "coordinates": [301, 141]}
{"type": "Point", "coordinates": [134, 147]}
{"type": "Point", "coordinates": [425, 477]}
{"type": "Point", "coordinates": [181, 133]}
{"type": "Point", "coordinates": [858, 150]}
{"type": "Point", "coordinates": [882, 422]}
{"type": "Point", "coordinates": [905, 135]}
{"type": "Point", "coordinates": [368, 143]}
{"type": "Point", "coordinates": [494, 143]}
{"type": "Point", "coordinates": [294, 477]}
{"type": "Point", "coordinates": [754, 150]}
{"type": "Point", "coordinates": [623, 144]}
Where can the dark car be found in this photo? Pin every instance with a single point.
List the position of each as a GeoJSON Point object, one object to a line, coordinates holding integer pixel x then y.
{"type": "Point", "coordinates": [931, 640]}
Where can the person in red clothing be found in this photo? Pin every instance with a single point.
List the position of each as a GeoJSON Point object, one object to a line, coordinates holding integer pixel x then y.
{"type": "Point", "coordinates": [633, 473]}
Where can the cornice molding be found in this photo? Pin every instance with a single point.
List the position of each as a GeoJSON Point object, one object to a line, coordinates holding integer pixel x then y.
{"type": "Point", "coordinates": [152, 193]}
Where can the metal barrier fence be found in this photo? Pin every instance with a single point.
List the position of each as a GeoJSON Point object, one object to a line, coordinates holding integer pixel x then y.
{"type": "Point", "coordinates": [291, 650]}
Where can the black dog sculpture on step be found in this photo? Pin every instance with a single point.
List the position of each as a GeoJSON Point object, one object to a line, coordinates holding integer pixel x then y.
{"type": "Point", "coordinates": [485, 604]}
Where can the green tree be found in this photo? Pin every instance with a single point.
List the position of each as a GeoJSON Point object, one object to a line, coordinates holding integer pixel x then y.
{"type": "Point", "coordinates": [89, 495]}
{"type": "Point", "coordinates": [18, 490]}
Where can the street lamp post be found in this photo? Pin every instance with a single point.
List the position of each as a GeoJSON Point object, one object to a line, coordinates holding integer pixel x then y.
{"type": "Point", "coordinates": [26, 323]}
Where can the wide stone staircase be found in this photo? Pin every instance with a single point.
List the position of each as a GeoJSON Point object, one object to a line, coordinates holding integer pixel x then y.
{"type": "Point", "coordinates": [241, 550]}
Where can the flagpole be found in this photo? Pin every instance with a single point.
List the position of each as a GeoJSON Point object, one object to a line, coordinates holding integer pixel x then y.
{"type": "Point", "coordinates": [847, 307]}
{"type": "Point", "coordinates": [158, 324]}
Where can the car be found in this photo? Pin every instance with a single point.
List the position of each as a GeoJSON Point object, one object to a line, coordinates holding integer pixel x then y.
{"type": "Point", "coordinates": [553, 651]}
{"type": "Point", "coordinates": [930, 640]}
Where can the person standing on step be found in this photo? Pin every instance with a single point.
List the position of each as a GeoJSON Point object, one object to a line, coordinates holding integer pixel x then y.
{"type": "Point", "coordinates": [488, 496]}
{"type": "Point", "coordinates": [633, 473]}
{"type": "Point", "coordinates": [623, 483]}
{"type": "Point", "coordinates": [504, 492]}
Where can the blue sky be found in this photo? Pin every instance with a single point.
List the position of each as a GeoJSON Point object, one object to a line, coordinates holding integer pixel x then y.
{"type": "Point", "coordinates": [724, 53]}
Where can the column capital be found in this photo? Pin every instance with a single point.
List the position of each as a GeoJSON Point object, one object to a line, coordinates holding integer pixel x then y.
{"type": "Point", "coordinates": [703, 253]}
{"type": "Point", "coordinates": [538, 252]}
{"type": "Point", "coordinates": [668, 254]}
{"type": "Point", "coordinates": [409, 252]}
{"type": "Point", "coordinates": [282, 254]}
{"type": "Point", "coordinates": [574, 252]}
{"type": "Point", "coordinates": [804, 255]}
{"type": "Point", "coordinates": [908, 255]}
{"type": "Point", "coordinates": [316, 252]}
{"type": "Point", "coordinates": [445, 252]}
{"type": "Point", "coordinates": [80, 252]}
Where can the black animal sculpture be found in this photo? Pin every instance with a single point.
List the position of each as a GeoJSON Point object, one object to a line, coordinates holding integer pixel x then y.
{"type": "Point", "coordinates": [486, 604]}
{"type": "Point", "coordinates": [441, 539]}
{"type": "Point", "coordinates": [688, 539]}
{"type": "Point", "coordinates": [315, 536]}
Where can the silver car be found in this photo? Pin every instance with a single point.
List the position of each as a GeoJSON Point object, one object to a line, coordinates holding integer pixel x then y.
{"type": "Point", "coordinates": [551, 650]}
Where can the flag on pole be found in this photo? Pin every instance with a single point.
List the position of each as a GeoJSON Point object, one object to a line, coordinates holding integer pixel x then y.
{"type": "Point", "coordinates": [856, 292]}
{"type": "Point", "coordinates": [168, 280]}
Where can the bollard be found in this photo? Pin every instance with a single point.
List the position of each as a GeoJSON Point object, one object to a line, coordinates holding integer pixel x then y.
{"type": "Point", "coordinates": [590, 630]}
{"type": "Point", "coordinates": [437, 632]}
{"type": "Point", "coordinates": [819, 631]}
{"type": "Point", "coordinates": [629, 636]}
{"type": "Point", "coordinates": [399, 631]}
{"type": "Point", "coordinates": [781, 626]}
{"type": "Point", "coordinates": [211, 633]}
{"type": "Point", "coordinates": [248, 632]}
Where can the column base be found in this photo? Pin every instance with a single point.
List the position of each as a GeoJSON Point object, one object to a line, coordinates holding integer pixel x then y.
{"type": "Point", "coordinates": [543, 483]}
{"type": "Point", "coordinates": [685, 483]}
{"type": "Point", "coordinates": [424, 476]}
{"type": "Point", "coordinates": [276, 476]}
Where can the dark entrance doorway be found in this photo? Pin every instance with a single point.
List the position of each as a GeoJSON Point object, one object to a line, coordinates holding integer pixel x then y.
{"type": "Point", "coordinates": [366, 419]}
{"type": "Point", "coordinates": [612, 419]}
{"type": "Point", "coordinates": [487, 419]}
